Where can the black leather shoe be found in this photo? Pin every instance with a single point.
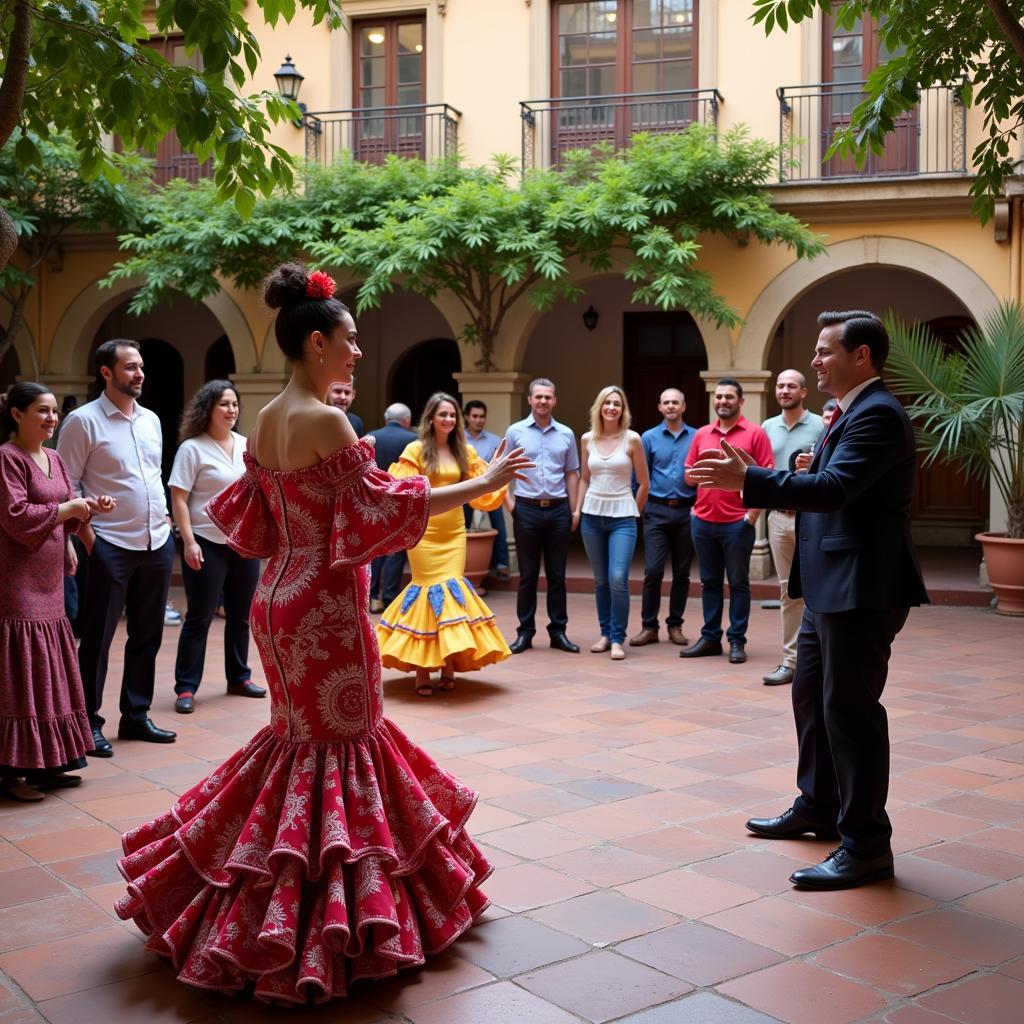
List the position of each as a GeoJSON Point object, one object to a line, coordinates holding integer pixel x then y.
{"type": "Point", "coordinates": [561, 642]}
{"type": "Point", "coordinates": [144, 730]}
{"type": "Point", "coordinates": [737, 653]}
{"type": "Point", "coordinates": [703, 648]}
{"type": "Point", "coordinates": [185, 704]}
{"type": "Point", "coordinates": [522, 642]}
{"type": "Point", "coordinates": [246, 689]}
{"type": "Point", "coordinates": [782, 675]}
{"type": "Point", "coordinates": [842, 870]}
{"type": "Point", "coordinates": [100, 745]}
{"type": "Point", "coordinates": [790, 825]}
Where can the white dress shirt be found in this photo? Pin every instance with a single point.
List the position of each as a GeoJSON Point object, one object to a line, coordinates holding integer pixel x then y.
{"type": "Point", "coordinates": [107, 452]}
{"type": "Point", "coordinates": [846, 401]}
{"type": "Point", "coordinates": [203, 469]}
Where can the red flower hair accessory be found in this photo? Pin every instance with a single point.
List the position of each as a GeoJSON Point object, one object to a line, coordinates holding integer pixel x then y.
{"type": "Point", "coordinates": [320, 285]}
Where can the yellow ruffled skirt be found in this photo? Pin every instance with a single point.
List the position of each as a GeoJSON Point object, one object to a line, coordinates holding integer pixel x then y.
{"type": "Point", "coordinates": [428, 624]}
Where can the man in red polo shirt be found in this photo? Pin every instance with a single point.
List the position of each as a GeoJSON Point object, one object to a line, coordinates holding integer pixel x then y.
{"type": "Point", "coordinates": [723, 530]}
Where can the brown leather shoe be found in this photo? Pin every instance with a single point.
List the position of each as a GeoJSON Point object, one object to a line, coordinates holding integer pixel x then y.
{"type": "Point", "coordinates": [644, 637]}
{"type": "Point", "coordinates": [675, 634]}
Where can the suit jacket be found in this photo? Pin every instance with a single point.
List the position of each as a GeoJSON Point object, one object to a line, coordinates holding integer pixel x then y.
{"type": "Point", "coordinates": [357, 424]}
{"type": "Point", "coordinates": [391, 441]}
{"type": "Point", "coordinates": [853, 511]}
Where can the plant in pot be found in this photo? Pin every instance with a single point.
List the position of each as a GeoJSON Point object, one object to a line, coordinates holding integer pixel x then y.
{"type": "Point", "coordinates": [967, 407]}
{"type": "Point", "coordinates": [479, 545]}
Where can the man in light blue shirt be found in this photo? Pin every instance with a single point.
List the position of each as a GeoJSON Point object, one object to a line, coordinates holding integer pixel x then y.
{"type": "Point", "coordinates": [485, 444]}
{"type": "Point", "coordinates": [793, 431]}
{"type": "Point", "coordinates": [666, 520]}
{"type": "Point", "coordinates": [542, 514]}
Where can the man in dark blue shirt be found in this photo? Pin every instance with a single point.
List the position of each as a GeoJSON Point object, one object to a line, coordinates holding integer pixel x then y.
{"type": "Point", "coordinates": [666, 520]}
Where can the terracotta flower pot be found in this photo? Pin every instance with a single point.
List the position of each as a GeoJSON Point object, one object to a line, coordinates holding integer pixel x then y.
{"type": "Point", "coordinates": [479, 545]}
{"type": "Point", "coordinates": [1004, 559]}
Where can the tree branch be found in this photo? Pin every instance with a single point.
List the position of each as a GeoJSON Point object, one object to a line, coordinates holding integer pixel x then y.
{"type": "Point", "coordinates": [1009, 25]}
{"type": "Point", "coordinates": [12, 86]}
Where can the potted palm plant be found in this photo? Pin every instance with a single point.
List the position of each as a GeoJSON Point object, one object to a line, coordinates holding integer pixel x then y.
{"type": "Point", "coordinates": [968, 407]}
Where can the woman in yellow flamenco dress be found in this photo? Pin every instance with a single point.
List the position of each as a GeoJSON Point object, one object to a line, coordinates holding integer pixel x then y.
{"type": "Point", "coordinates": [439, 621]}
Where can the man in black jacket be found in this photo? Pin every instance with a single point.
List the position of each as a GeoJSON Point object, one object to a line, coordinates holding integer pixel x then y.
{"type": "Point", "coordinates": [858, 574]}
{"type": "Point", "coordinates": [391, 439]}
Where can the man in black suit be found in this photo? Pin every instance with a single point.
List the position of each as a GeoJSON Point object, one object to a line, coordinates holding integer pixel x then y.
{"type": "Point", "coordinates": [391, 439]}
{"type": "Point", "coordinates": [857, 571]}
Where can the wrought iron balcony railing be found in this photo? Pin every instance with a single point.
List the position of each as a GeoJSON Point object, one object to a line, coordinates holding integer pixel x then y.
{"type": "Point", "coordinates": [429, 131]}
{"type": "Point", "coordinates": [931, 139]}
{"type": "Point", "coordinates": [553, 127]}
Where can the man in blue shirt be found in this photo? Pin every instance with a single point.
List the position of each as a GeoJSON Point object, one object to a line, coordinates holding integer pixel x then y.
{"type": "Point", "coordinates": [542, 514]}
{"type": "Point", "coordinates": [666, 520]}
{"type": "Point", "coordinates": [485, 444]}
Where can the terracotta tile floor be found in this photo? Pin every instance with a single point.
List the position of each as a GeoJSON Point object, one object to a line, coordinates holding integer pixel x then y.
{"type": "Point", "coordinates": [612, 805]}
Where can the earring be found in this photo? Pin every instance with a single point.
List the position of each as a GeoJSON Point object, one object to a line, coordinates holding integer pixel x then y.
{"type": "Point", "coordinates": [321, 360]}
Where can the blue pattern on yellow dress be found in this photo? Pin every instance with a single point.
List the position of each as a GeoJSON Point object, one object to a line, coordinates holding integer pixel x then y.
{"type": "Point", "coordinates": [456, 591]}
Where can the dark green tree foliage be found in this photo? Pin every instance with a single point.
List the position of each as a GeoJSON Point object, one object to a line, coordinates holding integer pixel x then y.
{"type": "Point", "coordinates": [974, 46]}
{"type": "Point", "coordinates": [46, 203]}
{"type": "Point", "coordinates": [482, 234]}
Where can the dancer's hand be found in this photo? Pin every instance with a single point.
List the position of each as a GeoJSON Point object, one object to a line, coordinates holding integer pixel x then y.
{"type": "Point", "coordinates": [504, 468]}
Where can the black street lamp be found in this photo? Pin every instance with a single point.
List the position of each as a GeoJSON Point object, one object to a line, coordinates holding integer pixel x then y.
{"type": "Point", "coordinates": [289, 81]}
{"type": "Point", "coordinates": [590, 318]}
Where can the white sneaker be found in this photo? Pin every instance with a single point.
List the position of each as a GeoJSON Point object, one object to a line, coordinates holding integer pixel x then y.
{"type": "Point", "coordinates": [172, 617]}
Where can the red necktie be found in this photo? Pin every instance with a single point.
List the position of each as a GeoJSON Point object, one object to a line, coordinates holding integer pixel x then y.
{"type": "Point", "coordinates": [831, 426]}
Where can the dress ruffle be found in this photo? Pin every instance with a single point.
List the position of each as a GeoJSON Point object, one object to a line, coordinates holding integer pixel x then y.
{"type": "Point", "coordinates": [43, 722]}
{"type": "Point", "coordinates": [428, 624]}
{"type": "Point", "coordinates": [305, 867]}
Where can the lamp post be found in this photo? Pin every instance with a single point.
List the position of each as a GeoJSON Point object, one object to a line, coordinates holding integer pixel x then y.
{"type": "Point", "coordinates": [289, 81]}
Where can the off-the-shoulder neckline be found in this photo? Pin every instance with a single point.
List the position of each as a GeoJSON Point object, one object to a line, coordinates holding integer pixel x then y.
{"type": "Point", "coordinates": [360, 447]}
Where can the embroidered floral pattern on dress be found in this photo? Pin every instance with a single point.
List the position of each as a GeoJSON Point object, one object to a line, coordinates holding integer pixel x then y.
{"type": "Point", "coordinates": [329, 848]}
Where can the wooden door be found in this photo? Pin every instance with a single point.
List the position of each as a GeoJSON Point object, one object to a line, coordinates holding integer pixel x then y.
{"type": "Point", "coordinates": [615, 65]}
{"type": "Point", "coordinates": [391, 82]}
{"type": "Point", "coordinates": [849, 57]}
{"type": "Point", "coordinates": [663, 350]}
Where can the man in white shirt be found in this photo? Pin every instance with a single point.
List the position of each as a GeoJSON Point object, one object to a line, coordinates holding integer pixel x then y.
{"type": "Point", "coordinates": [114, 446]}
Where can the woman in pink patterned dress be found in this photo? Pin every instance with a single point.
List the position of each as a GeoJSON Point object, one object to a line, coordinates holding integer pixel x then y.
{"type": "Point", "coordinates": [330, 848]}
{"type": "Point", "coordinates": [44, 729]}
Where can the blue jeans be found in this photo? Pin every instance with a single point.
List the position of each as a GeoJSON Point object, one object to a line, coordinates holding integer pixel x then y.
{"type": "Point", "coordinates": [610, 541]}
{"type": "Point", "coordinates": [723, 550]}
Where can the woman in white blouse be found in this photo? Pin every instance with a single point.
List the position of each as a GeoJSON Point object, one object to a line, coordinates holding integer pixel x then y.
{"type": "Point", "coordinates": [606, 511]}
{"type": "Point", "coordinates": [208, 460]}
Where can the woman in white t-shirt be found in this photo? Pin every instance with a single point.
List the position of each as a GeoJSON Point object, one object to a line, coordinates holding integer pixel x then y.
{"type": "Point", "coordinates": [606, 511]}
{"type": "Point", "coordinates": [208, 460]}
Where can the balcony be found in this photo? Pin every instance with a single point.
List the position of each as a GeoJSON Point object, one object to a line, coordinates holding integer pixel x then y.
{"type": "Point", "coordinates": [928, 141]}
{"type": "Point", "coordinates": [553, 127]}
{"type": "Point", "coordinates": [429, 131]}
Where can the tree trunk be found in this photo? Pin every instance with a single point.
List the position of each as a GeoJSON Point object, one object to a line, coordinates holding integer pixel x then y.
{"type": "Point", "coordinates": [8, 238]}
{"type": "Point", "coordinates": [1008, 25]}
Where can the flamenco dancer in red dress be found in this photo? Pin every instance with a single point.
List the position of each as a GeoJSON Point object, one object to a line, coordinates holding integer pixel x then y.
{"type": "Point", "coordinates": [330, 848]}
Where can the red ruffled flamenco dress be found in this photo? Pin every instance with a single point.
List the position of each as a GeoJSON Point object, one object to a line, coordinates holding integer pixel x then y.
{"type": "Point", "coordinates": [330, 848]}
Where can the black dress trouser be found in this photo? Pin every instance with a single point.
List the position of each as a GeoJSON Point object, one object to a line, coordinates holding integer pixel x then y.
{"type": "Point", "coordinates": [842, 661]}
{"type": "Point", "coordinates": [120, 578]}
{"type": "Point", "coordinates": [666, 536]}
{"type": "Point", "coordinates": [542, 533]}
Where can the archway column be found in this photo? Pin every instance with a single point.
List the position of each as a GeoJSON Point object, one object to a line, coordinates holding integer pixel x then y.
{"type": "Point", "coordinates": [255, 390]}
{"type": "Point", "coordinates": [755, 408]}
{"type": "Point", "coordinates": [503, 392]}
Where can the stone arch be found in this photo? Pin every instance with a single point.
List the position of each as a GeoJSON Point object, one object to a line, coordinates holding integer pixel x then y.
{"type": "Point", "coordinates": [69, 353]}
{"type": "Point", "coordinates": [766, 313]}
{"type": "Point", "coordinates": [23, 344]}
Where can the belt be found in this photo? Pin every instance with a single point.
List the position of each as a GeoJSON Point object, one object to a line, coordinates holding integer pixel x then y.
{"type": "Point", "coordinates": [671, 502]}
{"type": "Point", "coordinates": [544, 502]}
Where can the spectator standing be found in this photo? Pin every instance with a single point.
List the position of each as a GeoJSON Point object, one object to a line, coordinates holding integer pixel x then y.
{"type": "Point", "coordinates": [208, 460]}
{"type": "Point", "coordinates": [828, 410]}
{"type": "Point", "coordinates": [666, 520]}
{"type": "Point", "coordinates": [341, 394]}
{"type": "Point", "coordinates": [113, 445]}
{"type": "Point", "coordinates": [794, 431]}
{"type": "Point", "coordinates": [542, 514]}
{"type": "Point", "coordinates": [485, 444]}
{"type": "Point", "coordinates": [723, 531]}
{"type": "Point", "coordinates": [606, 511]}
{"type": "Point", "coordinates": [45, 730]}
{"type": "Point", "coordinates": [389, 443]}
